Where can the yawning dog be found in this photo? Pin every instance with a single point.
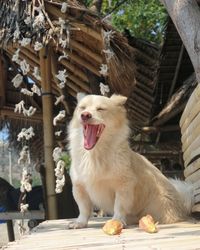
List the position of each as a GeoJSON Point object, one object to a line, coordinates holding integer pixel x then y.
{"type": "Point", "coordinates": [106, 173]}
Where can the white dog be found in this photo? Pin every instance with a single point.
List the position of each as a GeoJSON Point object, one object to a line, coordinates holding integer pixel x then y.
{"type": "Point", "coordinates": [105, 172]}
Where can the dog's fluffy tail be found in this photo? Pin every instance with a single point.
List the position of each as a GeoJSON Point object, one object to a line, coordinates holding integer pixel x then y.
{"type": "Point", "coordinates": [186, 192]}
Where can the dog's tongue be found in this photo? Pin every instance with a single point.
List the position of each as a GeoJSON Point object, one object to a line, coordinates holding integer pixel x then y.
{"type": "Point", "coordinates": [91, 135]}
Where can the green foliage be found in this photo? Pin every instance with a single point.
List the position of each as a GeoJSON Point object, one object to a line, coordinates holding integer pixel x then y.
{"type": "Point", "coordinates": [66, 158]}
{"type": "Point", "coordinates": [143, 18]}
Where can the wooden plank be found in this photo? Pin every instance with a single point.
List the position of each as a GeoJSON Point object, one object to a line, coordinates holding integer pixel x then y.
{"type": "Point", "coordinates": [191, 127]}
{"type": "Point", "coordinates": [34, 214]}
{"type": "Point", "coordinates": [190, 116]}
{"type": "Point", "coordinates": [51, 235]}
{"type": "Point", "coordinates": [191, 156]}
{"type": "Point", "coordinates": [193, 146]}
{"type": "Point", "coordinates": [190, 169]}
{"type": "Point", "coordinates": [193, 177]}
{"type": "Point", "coordinates": [191, 133]}
{"type": "Point", "coordinates": [192, 102]}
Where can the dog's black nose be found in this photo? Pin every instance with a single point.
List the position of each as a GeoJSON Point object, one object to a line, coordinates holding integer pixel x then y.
{"type": "Point", "coordinates": [85, 116]}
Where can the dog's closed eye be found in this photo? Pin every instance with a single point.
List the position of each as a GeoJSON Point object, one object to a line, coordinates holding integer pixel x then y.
{"type": "Point", "coordinates": [100, 109]}
{"type": "Point", "coordinates": [81, 107]}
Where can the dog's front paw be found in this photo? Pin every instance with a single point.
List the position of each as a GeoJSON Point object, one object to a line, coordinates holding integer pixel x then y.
{"type": "Point", "coordinates": [76, 225]}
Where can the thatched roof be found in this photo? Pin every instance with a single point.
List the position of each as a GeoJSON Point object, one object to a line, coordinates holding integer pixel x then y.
{"type": "Point", "coordinates": [80, 42]}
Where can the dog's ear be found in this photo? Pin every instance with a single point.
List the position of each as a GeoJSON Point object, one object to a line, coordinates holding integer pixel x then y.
{"type": "Point", "coordinates": [80, 96]}
{"type": "Point", "coordinates": [119, 99]}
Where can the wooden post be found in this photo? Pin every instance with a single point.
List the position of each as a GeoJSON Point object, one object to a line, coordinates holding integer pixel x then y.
{"type": "Point", "coordinates": [11, 235]}
{"type": "Point", "coordinates": [47, 104]}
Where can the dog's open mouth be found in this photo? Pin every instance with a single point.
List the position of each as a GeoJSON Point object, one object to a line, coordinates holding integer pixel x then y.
{"type": "Point", "coordinates": [92, 132]}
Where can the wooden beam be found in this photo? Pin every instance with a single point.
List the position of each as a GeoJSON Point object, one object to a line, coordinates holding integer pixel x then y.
{"type": "Point", "coordinates": [166, 117]}
{"type": "Point", "coordinates": [8, 112]}
{"type": "Point", "coordinates": [152, 129]}
{"type": "Point", "coordinates": [29, 215]}
{"type": "Point", "coordinates": [47, 104]}
{"type": "Point", "coordinates": [82, 62]}
{"type": "Point", "coordinates": [178, 65]}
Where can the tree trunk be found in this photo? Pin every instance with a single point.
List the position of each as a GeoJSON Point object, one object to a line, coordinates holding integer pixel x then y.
{"type": "Point", "coordinates": [186, 16]}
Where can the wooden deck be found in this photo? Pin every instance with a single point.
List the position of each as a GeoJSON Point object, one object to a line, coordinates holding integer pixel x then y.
{"type": "Point", "coordinates": [54, 235]}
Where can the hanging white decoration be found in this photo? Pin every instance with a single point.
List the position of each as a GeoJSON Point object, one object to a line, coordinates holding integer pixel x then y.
{"type": "Point", "coordinates": [59, 99]}
{"type": "Point", "coordinates": [26, 181]}
{"type": "Point", "coordinates": [15, 57]}
{"type": "Point", "coordinates": [62, 24]}
{"type": "Point", "coordinates": [62, 75]}
{"type": "Point", "coordinates": [29, 112]}
{"type": "Point", "coordinates": [21, 227]}
{"type": "Point", "coordinates": [26, 92]}
{"type": "Point", "coordinates": [61, 85]}
{"type": "Point", "coordinates": [59, 117]}
{"type": "Point", "coordinates": [63, 56]}
{"type": "Point", "coordinates": [25, 41]}
{"type": "Point", "coordinates": [64, 7]}
{"type": "Point", "coordinates": [25, 134]}
{"type": "Point", "coordinates": [103, 69]}
{"type": "Point", "coordinates": [36, 73]}
{"type": "Point", "coordinates": [36, 90]}
{"type": "Point", "coordinates": [24, 156]}
{"type": "Point", "coordinates": [24, 207]}
{"type": "Point", "coordinates": [16, 33]}
{"type": "Point", "coordinates": [63, 42]}
{"type": "Point", "coordinates": [25, 67]}
{"type": "Point", "coordinates": [107, 36]}
{"type": "Point", "coordinates": [57, 152]}
{"type": "Point", "coordinates": [108, 53]}
{"type": "Point", "coordinates": [39, 20]}
{"type": "Point", "coordinates": [27, 20]}
{"type": "Point", "coordinates": [38, 46]}
{"type": "Point", "coordinates": [17, 80]}
{"type": "Point", "coordinates": [59, 185]}
{"type": "Point", "coordinates": [58, 133]}
{"type": "Point", "coordinates": [59, 170]}
{"type": "Point", "coordinates": [104, 89]}
{"type": "Point", "coordinates": [19, 107]}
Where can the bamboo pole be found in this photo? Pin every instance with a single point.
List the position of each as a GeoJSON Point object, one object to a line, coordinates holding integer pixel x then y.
{"type": "Point", "coordinates": [47, 104]}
